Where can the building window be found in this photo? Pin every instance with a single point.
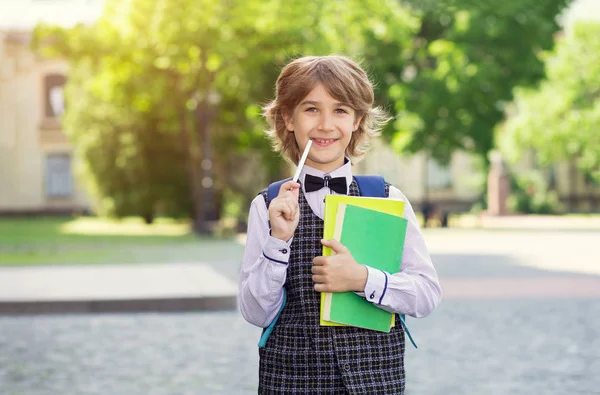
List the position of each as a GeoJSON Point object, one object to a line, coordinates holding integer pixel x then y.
{"type": "Point", "coordinates": [54, 95]}
{"type": "Point", "coordinates": [438, 176]}
{"type": "Point", "coordinates": [59, 180]}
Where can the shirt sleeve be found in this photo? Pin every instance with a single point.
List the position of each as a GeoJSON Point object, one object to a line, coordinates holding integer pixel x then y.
{"type": "Point", "coordinates": [264, 269]}
{"type": "Point", "coordinates": [415, 290]}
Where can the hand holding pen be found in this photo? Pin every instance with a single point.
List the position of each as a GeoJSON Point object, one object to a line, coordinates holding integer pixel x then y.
{"type": "Point", "coordinates": [284, 213]}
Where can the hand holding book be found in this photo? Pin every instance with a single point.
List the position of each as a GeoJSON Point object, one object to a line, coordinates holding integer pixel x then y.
{"type": "Point", "coordinates": [339, 272]}
{"type": "Point", "coordinates": [373, 231]}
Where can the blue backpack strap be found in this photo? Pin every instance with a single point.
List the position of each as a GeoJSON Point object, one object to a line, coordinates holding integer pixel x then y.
{"type": "Point", "coordinates": [273, 189]}
{"type": "Point", "coordinates": [401, 316]}
{"type": "Point", "coordinates": [267, 332]}
{"type": "Point", "coordinates": [371, 186]}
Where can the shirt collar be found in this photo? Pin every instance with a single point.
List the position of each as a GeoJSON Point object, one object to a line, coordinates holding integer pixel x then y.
{"type": "Point", "coordinates": [343, 171]}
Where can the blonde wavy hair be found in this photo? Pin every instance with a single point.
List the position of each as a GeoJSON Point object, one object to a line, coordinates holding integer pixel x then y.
{"type": "Point", "coordinates": [344, 80]}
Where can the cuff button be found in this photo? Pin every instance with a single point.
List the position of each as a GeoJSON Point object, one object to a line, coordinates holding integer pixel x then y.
{"type": "Point", "coordinates": [284, 251]}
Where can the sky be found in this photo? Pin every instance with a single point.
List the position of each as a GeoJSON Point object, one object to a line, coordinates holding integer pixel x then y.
{"type": "Point", "coordinates": [581, 10]}
{"type": "Point", "coordinates": [25, 14]}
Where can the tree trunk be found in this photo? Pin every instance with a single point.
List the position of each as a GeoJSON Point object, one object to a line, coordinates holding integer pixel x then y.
{"type": "Point", "coordinates": [192, 172]}
{"type": "Point", "coordinates": [204, 115]}
{"type": "Point", "coordinates": [148, 218]}
{"type": "Point", "coordinates": [425, 203]}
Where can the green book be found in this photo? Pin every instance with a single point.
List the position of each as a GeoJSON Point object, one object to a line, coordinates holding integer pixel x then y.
{"type": "Point", "coordinates": [374, 239]}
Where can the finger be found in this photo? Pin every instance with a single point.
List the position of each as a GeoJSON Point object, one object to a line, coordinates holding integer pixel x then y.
{"type": "Point", "coordinates": [284, 210]}
{"type": "Point", "coordinates": [292, 210]}
{"type": "Point", "coordinates": [319, 261]}
{"type": "Point", "coordinates": [319, 279]}
{"type": "Point", "coordinates": [292, 201]}
{"type": "Point", "coordinates": [296, 193]}
{"type": "Point", "coordinates": [277, 205]}
{"type": "Point", "coordinates": [321, 287]}
{"type": "Point", "coordinates": [287, 186]}
{"type": "Point", "coordinates": [292, 195]}
{"type": "Point", "coordinates": [334, 245]}
{"type": "Point", "coordinates": [319, 270]}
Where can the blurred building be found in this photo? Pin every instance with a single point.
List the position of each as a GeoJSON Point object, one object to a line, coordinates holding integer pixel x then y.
{"type": "Point", "coordinates": [424, 181]}
{"type": "Point", "coordinates": [578, 191]}
{"type": "Point", "coordinates": [36, 172]}
{"type": "Point", "coordinates": [457, 186]}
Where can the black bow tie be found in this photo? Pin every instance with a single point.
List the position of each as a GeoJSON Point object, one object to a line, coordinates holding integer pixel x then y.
{"type": "Point", "coordinates": [337, 184]}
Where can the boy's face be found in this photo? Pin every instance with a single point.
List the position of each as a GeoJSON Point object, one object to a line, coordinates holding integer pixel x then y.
{"type": "Point", "coordinates": [328, 123]}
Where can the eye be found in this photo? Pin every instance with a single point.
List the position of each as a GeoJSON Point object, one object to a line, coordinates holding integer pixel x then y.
{"type": "Point", "coordinates": [341, 111]}
{"type": "Point", "coordinates": [311, 109]}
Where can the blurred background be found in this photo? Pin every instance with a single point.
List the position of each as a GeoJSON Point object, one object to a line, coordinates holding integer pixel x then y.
{"type": "Point", "coordinates": [131, 138]}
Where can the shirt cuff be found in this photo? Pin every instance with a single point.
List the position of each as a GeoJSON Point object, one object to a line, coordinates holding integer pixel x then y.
{"type": "Point", "coordinates": [376, 287]}
{"type": "Point", "coordinates": [276, 250]}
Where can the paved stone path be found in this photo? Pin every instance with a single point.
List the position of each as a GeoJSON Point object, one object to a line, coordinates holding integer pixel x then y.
{"type": "Point", "coordinates": [466, 347]}
{"type": "Point", "coordinates": [535, 330]}
{"type": "Point", "coordinates": [150, 287]}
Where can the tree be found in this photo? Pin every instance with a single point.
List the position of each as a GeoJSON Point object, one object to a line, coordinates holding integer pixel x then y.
{"type": "Point", "coordinates": [165, 96]}
{"type": "Point", "coordinates": [560, 118]}
{"type": "Point", "coordinates": [172, 89]}
{"type": "Point", "coordinates": [123, 144]}
{"type": "Point", "coordinates": [466, 58]}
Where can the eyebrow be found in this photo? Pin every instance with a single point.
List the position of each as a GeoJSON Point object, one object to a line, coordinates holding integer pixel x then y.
{"type": "Point", "coordinates": [314, 103]}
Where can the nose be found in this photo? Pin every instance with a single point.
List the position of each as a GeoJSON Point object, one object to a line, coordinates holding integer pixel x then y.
{"type": "Point", "coordinates": [326, 122]}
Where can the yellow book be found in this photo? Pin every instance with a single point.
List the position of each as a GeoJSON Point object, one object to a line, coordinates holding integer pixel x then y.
{"type": "Point", "coordinates": [332, 202]}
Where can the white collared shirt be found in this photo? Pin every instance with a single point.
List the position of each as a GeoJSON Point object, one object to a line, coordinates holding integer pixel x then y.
{"type": "Point", "coordinates": [414, 291]}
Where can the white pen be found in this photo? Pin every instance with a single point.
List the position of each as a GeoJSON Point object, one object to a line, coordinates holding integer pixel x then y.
{"type": "Point", "coordinates": [302, 160]}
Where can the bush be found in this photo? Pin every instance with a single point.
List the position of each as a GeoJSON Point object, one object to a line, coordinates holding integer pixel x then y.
{"type": "Point", "coordinates": [231, 214]}
{"type": "Point", "coordinates": [531, 194]}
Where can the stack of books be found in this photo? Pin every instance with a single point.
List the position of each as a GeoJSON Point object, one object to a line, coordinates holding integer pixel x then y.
{"type": "Point", "coordinates": [373, 230]}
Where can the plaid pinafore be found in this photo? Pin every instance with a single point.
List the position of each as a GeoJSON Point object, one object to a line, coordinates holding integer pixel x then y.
{"type": "Point", "coordinates": [302, 357]}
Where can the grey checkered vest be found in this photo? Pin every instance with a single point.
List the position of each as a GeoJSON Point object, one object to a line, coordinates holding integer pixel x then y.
{"type": "Point", "coordinates": [302, 357]}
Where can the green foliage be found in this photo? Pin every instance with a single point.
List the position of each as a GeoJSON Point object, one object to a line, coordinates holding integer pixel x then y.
{"type": "Point", "coordinates": [530, 194]}
{"type": "Point", "coordinates": [143, 92]}
{"type": "Point", "coordinates": [156, 87]}
{"type": "Point", "coordinates": [150, 80]}
{"type": "Point", "coordinates": [465, 60]}
{"type": "Point", "coordinates": [560, 118]}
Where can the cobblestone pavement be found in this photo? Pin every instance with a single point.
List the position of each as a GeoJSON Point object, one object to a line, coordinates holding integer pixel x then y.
{"type": "Point", "coordinates": [520, 347]}
{"type": "Point", "coordinates": [548, 344]}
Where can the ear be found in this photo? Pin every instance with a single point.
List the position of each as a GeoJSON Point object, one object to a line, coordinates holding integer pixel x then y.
{"type": "Point", "coordinates": [356, 123]}
{"type": "Point", "coordinates": [289, 121]}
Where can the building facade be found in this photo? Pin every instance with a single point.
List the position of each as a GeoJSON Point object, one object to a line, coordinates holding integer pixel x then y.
{"type": "Point", "coordinates": [459, 185]}
{"type": "Point", "coordinates": [451, 188]}
{"type": "Point", "coordinates": [36, 172]}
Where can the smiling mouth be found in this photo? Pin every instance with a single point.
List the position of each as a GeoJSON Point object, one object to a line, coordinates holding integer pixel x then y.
{"type": "Point", "coordinates": [323, 142]}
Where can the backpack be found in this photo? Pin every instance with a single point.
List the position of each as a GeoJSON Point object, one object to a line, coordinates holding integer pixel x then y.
{"type": "Point", "coordinates": [369, 186]}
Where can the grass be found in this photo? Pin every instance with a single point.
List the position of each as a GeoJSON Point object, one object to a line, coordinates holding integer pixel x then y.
{"type": "Point", "coordinates": [87, 240]}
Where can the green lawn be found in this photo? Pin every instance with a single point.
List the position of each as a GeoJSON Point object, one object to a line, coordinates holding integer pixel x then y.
{"type": "Point", "coordinates": [51, 240]}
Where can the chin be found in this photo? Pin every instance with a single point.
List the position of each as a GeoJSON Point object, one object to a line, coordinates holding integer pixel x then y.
{"type": "Point", "coordinates": [330, 161]}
